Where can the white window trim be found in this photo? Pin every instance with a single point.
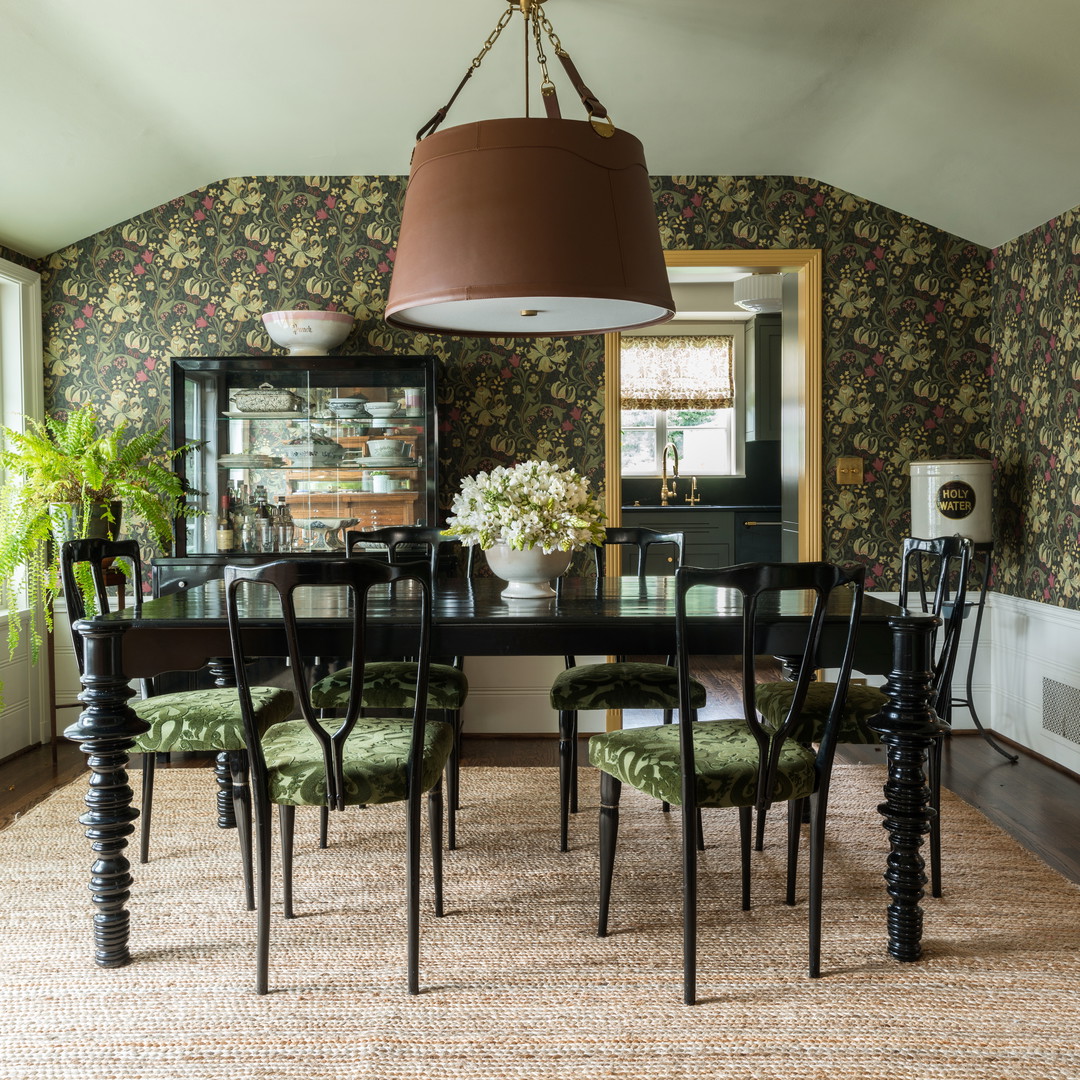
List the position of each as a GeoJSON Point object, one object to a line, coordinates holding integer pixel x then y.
{"type": "Point", "coordinates": [737, 332]}
{"type": "Point", "coordinates": [27, 715]}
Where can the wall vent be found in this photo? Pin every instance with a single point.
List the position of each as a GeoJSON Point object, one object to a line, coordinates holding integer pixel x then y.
{"type": "Point", "coordinates": [1061, 709]}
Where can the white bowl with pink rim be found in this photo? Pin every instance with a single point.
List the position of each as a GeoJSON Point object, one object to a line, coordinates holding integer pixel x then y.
{"type": "Point", "coordinates": [308, 333]}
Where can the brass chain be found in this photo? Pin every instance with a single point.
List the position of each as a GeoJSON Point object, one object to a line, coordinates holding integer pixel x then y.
{"type": "Point", "coordinates": [545, 22]}
{"type": "Point", "coordinates": [507, 15]}
{"type": "Point", "coordinates": [547, 87]}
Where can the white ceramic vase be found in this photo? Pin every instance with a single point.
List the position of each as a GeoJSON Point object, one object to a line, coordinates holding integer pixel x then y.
{"type": "Point", "coordinates": [528, 572]}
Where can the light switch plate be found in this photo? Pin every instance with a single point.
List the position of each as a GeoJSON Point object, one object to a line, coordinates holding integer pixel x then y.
{"type": "Point", "coordinates": [849, 470]}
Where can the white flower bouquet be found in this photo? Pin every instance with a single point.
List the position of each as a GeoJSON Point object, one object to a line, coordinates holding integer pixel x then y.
{"type": "Point", "coordinates": [534, 504]}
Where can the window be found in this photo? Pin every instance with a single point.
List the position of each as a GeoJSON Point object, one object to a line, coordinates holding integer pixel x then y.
{"type": "Point", "coordinates": [680, 389]}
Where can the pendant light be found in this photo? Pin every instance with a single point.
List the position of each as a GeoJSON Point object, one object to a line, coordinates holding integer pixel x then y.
{"type": "Point", "coordinates": [529, 226]}
{"type": "Point", "coordinates": [759, 293]}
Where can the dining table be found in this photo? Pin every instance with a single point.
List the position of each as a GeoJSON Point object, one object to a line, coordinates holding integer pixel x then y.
{"type": "Point", "coordinates": [188, 630]}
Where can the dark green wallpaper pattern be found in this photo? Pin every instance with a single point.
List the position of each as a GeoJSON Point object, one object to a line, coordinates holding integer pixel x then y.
{"type": "Point", "coordinates": [18, 257]}
{"type": "Point", "coordinates": [1036, 411]}
{"type": "Point", "coordinates": [906, 317]}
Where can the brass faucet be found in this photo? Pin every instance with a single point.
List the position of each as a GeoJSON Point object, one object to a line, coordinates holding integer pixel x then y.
{"type": "Point", "coordinates": [665, 492]}
{"type": "Point", "coordinates": [693, 498]}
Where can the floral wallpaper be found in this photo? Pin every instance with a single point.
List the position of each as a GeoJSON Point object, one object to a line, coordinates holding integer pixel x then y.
{"type": "Point", "coordinates": [906, 318]}
{"type": "Point", "coordinates": [1035, 334]}
{"type": "Point", "coordinates": [18, 257]}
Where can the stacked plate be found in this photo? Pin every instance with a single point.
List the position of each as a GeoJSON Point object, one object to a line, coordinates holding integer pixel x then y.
{"type": "Point", "coordinates": [248, 461]}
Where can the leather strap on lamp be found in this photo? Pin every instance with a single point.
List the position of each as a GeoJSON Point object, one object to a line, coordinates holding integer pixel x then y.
{"type": "Point", "coordinates": [529, 226]}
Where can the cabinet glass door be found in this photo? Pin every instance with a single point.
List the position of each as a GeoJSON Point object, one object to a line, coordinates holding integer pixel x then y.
{"type": "Point", "coordinates": [291, 452]}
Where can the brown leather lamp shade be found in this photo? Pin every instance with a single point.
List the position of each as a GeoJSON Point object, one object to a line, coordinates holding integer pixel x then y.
{"type": "Point", "coordinates": [535, 215]}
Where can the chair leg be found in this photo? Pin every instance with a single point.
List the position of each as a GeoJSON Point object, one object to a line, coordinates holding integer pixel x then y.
{"type": "Point", "coordinates": [746, 817]}
{"type": "Point", "coordinates": [324, 825]}
{"type": "Point", "coordinates": [795, 810]}
{"type": "Point", "coordinates": [412, 892]}
{"type": "Point", "coordinates": [666, 807]}
{"type": "Point", "coordinates": [818, 804]}
{"type": "Point", "coordinates": [149, 763]}
{"type": "Point", "coordinates": [759, 840]}
{"type": "Point", "coordinates": [610, 790]}
{"type": "Point", "coordinates": [574, 769]}
{"type": "Point", "coordinates": [435, 817]}
{"type": "Point", "coordinates": [286, 824]}
{"type": "Point", "coordinates": [453, 774]}
{"type": "Point", "coordinates": [262, 893]}
{"type": "Point", "coordinates": [934, 782]}
{"type": "Point", "coordinates": [567, 736]}
{"type": "Point", "coordinates": [689, 851]}
{"type": "Point", "coordinates": [241, 796]}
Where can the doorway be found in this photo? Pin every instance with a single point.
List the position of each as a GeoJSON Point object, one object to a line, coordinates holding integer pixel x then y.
{"type": "Point", "coordinates": [801, 456]}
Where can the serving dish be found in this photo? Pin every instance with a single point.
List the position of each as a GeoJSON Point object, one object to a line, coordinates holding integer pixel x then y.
{"type": "Point", "coordinates": [266, 398]}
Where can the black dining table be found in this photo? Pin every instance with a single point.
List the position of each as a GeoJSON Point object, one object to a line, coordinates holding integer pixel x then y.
{"type": "Point", "coordinates": [188, 630]}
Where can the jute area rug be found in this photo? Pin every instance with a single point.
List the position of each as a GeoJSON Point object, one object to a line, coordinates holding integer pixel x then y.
{"type": "Point", "coordinates": [515, 982]}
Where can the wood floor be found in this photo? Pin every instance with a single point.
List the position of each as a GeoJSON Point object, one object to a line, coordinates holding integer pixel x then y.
{"type": "Point", "coordinates": [1033, 801]}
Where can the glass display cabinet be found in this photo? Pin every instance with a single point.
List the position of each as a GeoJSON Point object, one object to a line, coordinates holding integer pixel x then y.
{"type": "Point", "coordinates": [290, 452]}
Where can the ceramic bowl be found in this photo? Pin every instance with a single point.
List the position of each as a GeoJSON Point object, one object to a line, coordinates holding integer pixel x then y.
{"type": "Point", "coordinates": [308, 333]}
{"type": "Point", "coordinates": [386, 448]}
{"type": "Point", "coordinates": [382, 408]}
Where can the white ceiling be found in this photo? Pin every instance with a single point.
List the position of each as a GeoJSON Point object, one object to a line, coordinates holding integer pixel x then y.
{"type": "Point", "coordinates": [962, 113]}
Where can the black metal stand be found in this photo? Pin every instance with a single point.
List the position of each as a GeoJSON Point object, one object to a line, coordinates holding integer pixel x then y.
{"type": "Point", "coordinates": [982, 556]}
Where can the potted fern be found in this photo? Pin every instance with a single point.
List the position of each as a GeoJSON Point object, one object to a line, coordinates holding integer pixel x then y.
{"type": "Point", "coordinates": [74, 478]}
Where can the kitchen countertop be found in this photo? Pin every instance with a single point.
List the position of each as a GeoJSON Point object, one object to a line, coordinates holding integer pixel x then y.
{"type": "Point", "coordinates": [698, 507]}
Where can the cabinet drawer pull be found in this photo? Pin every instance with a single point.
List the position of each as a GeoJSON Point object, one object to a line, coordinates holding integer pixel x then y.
{"type": "Point", "coordinates": [750, 524]}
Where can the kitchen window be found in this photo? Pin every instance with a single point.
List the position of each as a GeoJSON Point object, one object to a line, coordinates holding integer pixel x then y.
{"type": "Point", "coordinates": [680, 389]}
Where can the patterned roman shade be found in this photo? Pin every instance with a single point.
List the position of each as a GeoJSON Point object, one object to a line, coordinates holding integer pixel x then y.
{"type": "Point", "coordinates": [676, 372]}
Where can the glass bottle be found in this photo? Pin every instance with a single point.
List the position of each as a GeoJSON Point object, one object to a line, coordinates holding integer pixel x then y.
{"type": "Point", "coordinates": [264, 533]}
{"type": "Point", "coordinates": [283, 526]}
{"type": "Point", "coordinates": [225, 540]}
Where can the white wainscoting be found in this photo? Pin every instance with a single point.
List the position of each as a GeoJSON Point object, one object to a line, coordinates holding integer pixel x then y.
{"type": "Point", "coordinates": [1032, 642]}
{"type": "Point", "coordinates": [508, 695]}
{"type": "Point", "coordinates": [24, 721]}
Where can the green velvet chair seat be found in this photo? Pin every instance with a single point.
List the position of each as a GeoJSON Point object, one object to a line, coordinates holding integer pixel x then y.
{"type": "Point", "coordinates": [376, 755]}
{"type": "Point", "coordinates": [206, 719]}
{"type": "Point", "coordinates": [726, 763]}
{"type": "Point", "coordinates": [391, 684]}
{"type": "Point", "coordinates": [626, 685]}
{"type": "Point", "coordinates": [773, 699]}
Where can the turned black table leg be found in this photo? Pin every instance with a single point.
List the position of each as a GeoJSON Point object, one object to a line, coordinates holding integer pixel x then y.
{"type": "Point", "coordinates": [106, 731]}
{"type": "Point", "coordinates": [221, 667]}
{"type": "Point", "coordinates": [908, 728]}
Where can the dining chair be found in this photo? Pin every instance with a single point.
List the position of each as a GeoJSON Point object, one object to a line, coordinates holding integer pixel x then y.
{"type": "Point", "coordinates": [188, 720]}
{"type": "Point", "coordinates": [618, 683]}
{"type": "Point", "coordinates": [736, 762]}
{"type": "Point", "coordinates": [933, 578]}
{"type": "Point", "coordinates": [334, 760]}
{"type": "Point", "coordinates": [389, 684]}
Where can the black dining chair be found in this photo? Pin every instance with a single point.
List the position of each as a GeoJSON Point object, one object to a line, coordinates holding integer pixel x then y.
{"type": "Point", "coordinates": [736, 763]}
{"type": "Point", "coordinates": [933, 579]}
{"type": "Point", "coordinates": [339, 760]}
{"type": "Point", "coordinates": [188, 720]}
{"type": "Point", "coordinates": [389, 684]}
{"type": "Point", "coordinates": [618, 683]}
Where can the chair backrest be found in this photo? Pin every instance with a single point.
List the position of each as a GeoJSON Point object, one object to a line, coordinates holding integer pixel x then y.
{"type": "Point", "coordinates": [88, 562]}
{"type": "Point", "coordinates": [641, 539]}
{"type": "Point", "coordinates": [393, 537]}
{"type": "Point", "coordinates": [933, 578]}
{"type": "Point", "coordinates": [766, 589]}
{"type": "Point", "coordinates": [358, 576]}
